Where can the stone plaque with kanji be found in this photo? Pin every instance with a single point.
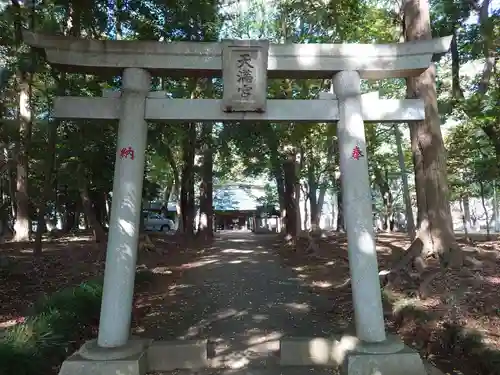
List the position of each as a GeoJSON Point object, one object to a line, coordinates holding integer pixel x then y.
{"type": "Point", "coordinates": [244, 74]}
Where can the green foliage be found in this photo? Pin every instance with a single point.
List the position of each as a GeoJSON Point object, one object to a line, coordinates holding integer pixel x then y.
{"type": "Point", "coordinates": [471, 160]}
{"type": "Point", "coordinates": [31, 347]}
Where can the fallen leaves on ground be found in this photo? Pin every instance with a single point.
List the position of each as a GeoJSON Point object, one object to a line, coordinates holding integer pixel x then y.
{"type": "Point", "coordinates": [476, 308]}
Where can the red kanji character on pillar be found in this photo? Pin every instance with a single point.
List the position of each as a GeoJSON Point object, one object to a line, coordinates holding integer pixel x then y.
{"type": "Point", "coordinates": [125, 152]}
{"type": "Point", "coordinates": [357, 153]}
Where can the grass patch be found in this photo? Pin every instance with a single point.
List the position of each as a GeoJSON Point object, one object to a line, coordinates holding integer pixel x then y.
{"type": "Point", "coordinates": [57, 325]}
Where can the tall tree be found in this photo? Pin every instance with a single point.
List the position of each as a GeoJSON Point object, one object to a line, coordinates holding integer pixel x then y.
{"type": "Point", "coordinates": [435, 234]}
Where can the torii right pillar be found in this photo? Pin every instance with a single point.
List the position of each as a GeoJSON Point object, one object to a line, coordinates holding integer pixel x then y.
{"type": "Point", "coordinates": [371, 351]}
{"type": "Point", "coordinates": [375, 353]}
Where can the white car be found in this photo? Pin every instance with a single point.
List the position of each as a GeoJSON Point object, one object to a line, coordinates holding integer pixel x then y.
{"type": "Point", "coordinates": [156, 222]}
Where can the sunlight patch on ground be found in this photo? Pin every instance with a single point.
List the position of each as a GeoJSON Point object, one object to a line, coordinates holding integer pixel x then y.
{"type": "Point", "coordinates": [196, 329]}
{"type": "Point", "coordinates": [237, 251]}
{"type": "Point", "coordinates": [179, 286]}
{"type": "Point", "coordinates": [161, 271]}
{"type": "Point", "coordinates": [495, 280]}
{"type": "Point", "coordinates": [239, 240]}
{"type": "Point", "coordinates": [302, 307]}
{"type": "Point", "coordinates": [259, 317]}
{"type": "Point", "coordinates": [321, 351]}
{"type": "Point", "coordinates": [198, 264]}
{"type": "Point", "coordinates": [321, 284]}
{"type": "Point", "coordinates": [258, 346]}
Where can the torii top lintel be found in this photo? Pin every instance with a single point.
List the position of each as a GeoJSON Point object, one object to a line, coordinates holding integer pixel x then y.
{"type": "Point", "coordinates": [203, 59]}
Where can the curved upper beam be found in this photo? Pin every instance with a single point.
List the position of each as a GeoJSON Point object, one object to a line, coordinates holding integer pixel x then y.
{"type": "Point", "coordinates": [372, 61]}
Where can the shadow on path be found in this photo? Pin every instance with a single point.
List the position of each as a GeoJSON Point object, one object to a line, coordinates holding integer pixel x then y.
{"type": "Point", "coordinates": [239, 297]}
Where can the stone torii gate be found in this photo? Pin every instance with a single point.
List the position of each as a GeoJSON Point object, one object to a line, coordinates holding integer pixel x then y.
{"type": "Point", "coordinates": [245, 67]}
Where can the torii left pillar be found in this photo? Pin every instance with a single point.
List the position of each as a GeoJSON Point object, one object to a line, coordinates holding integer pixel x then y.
{"type": "Point", "coordinates": [114, 351]}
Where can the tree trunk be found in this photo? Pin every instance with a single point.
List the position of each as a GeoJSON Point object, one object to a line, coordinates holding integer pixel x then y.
{"type": "Point", "coordinates": [313, 199]}
{"type": "Point", "coordinates": [465, 201]}
{"type": "Point", "coordinates": [410, 223]}
{"type": "Point", "coordinates": [22, 224]}
{"type": "Point", "coordinates": [464, 219]}
{"type": "Point", "coordinates": [167, 191]}
{"type": "Point", "coordinates": [435, 227]}
{"type": "Point", "coordinates": [176, 189]}
{"type": "Point", "coordinates": [50, 158]}
{"type": "Point", "coordinates": [206, 192]}
{"type": "Point", "coordinates": [69, 215]}
{"type": "Point", "coordinates": [306, 210]}
{"type": "Point", "coordinates": [88, 209]}
{"type": "Point", "coordinates": [340, 209]}
{"type": "Point", "coordinates": [483, 203]}
{"type": "Point", "coordinates": [187, 180]}
{"type": "Point", "coordinates": [289, 196]}
{"type": "Point", "coordinates": [387, 198]}
{"type": "Point", "coordinates": [297, 190]}
{"type": "Point", "coordinates": [280, 187]}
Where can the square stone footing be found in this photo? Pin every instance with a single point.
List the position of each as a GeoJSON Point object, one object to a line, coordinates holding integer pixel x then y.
{"type": "Point", "coordinates": [354, 358]}
{"type": "Point", "coordinates": [406, 361]}
{"type": "Point", "coordinates": [77, 365]}
{"type": "Point", "coordinates": [175, 355]}
{"type": "Point", "coordinates": [311, 351]}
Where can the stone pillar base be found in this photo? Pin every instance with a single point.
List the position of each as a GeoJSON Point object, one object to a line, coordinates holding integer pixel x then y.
{"type": "Point", "coordinates": [137, 357]}
{"type": "Point", "coordinates": [390, 357]}
{"type": "Point", "coordinates": [130, 359]}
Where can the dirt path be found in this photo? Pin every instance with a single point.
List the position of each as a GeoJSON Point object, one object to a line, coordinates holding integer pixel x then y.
{"type": "Point", "coordinates": [239, 296]}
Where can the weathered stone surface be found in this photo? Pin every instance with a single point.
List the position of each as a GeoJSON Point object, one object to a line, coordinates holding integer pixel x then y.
{"type": "Point", "coordinates": [183, 110]}
{"type": "Point", "coordinates": [244, 74]}
{"type": "Point", "coordinates": [173, 355]}
{"type": "Point", "coordinates": [353, 358]}
{"type": "Point", "coordinates": [77, 365]}
{"type": "Point", "coordinates": [406, 361]}
{"type": "Point", "coordinates": [372, 61]}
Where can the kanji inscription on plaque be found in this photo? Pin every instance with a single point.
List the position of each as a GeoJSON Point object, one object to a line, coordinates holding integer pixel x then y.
{"type": "Point", "coordinates": [244, 75]}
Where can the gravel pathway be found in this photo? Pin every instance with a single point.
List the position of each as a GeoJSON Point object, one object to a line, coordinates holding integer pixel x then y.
{"type": "Point", "coordinates": [241, 298]}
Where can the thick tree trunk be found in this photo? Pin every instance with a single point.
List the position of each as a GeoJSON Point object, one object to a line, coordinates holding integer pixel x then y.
{"type": "Point", "coordinates": [22, 224]}
{"type": "Point", "coordinates": [206, 191]}
{"type": "Point", "coordinates": [435, 227]}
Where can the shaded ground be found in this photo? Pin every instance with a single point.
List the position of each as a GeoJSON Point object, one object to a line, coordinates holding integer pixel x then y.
{"type": "Point", "coordinates": [478, 308]}
{"type": "Point", "coordinates": [67, 261]}
{"type": "Point", "coordinates": [245, 292]}
{"type": "Point", "coordinates": [240, 297]}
